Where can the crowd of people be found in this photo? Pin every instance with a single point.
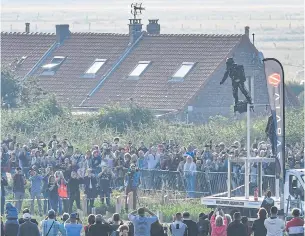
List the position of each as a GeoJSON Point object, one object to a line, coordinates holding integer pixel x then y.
{"type": "Point", "coordinates": [58, 172]}
{"type": "Point", "coordinates": [143, 222]}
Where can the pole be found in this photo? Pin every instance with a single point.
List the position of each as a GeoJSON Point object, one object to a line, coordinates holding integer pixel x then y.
{"type": "Point", "coordinates": [260, 178]}
{"type": "Point", "coordinates": [248, 154]}
{"type": "Point", "coordinates": [229, 177]}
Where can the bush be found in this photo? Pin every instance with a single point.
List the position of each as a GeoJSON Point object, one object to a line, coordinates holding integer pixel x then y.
{"type": "Point", "coordinates": [123, 118]}
{"type": "Point", "coordinates": [28, 119]}
{"type": "Point", "coordinates": [47, 118]}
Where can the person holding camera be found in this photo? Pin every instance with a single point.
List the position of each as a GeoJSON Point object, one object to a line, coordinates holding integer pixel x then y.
{"type": "Point", "coordinates": [132, 181]}
{"type": "Point", "coordinates": [178, 228]}
{"type": "Point", "coordinates": [35, 190]}
{"type": "Point", "coordinates": [219, 223]}
{"type": "Point", "coordinates": [62, 192]}
{"type": "Point", "coordinates": [90, 183]}
{"type": "Point", "coordinates": [104, 181]}
{"type": "Point", "coordinates": [51, 227]}
{"type": "Point", "coordinates": [74, 190]}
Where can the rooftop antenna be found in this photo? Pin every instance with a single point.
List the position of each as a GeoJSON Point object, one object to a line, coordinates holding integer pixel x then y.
{"type": "Point", "coordinates": [136, 9]}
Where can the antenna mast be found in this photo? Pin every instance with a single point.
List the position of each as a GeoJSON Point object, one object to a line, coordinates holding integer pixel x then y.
{"type": "Point", "coordinates": [136, 9]}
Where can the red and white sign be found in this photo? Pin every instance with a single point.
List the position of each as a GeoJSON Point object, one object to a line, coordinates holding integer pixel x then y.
{"type": "Point", "coordinates": [274, 79]}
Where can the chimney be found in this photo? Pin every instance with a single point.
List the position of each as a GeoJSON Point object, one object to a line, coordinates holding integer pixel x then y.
{"type": "Point", "coordinates": [135, 29]}
{"type": "Point", "coordinates": [27, 28]}
{"type": "Point", "coordinates": [247, 31]}
{"type": "Point", "coordinates": [153, 27]}
{"type": "Point", "coordinates": [62, 32]}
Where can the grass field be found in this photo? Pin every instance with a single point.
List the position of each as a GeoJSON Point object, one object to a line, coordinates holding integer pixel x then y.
{"type": "Point", "coordinates": [278, 27]}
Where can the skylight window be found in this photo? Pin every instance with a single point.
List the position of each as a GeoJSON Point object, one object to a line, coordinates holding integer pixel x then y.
{"type": "Point", "coordinates": [182, 71]}
{"type": "Point", "coordinates": [94, 68]}
{"type": "Point", "coordinates": [139, 69]}
{"type": "Point", "coordinates": [52, 67]}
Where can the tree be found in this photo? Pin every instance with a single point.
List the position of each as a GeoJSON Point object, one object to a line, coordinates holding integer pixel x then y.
{"type": "Point", "coordinates": [10, 89]}
{"type": "Point", "coordinates": [16, 93]}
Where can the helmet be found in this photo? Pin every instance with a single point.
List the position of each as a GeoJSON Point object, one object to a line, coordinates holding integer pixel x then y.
{"type": "Point", "coordinates": [230, 61]}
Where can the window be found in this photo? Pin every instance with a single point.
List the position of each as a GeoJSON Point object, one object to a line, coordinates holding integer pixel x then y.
{"type": "Point", "coordinates": [52, 67]}
{"type": "Point", "coordinates": [182, 71]}
{"type": "Point", "coordinates": [139, 69]}
{"type": "Point", "coordinates": [94, 68]}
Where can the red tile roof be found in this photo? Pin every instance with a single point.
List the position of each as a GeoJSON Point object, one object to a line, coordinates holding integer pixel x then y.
{"type": "Point", "coordinates": [81, 49]}
{"type": "Point", "coordinates": [166, 53]}
{"type": "Point", "coordinates": [16, 45]}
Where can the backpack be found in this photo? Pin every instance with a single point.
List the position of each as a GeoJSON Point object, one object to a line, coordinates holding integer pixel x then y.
{"type": "Point", "coordinates": [131, 228]}
{"type": "Point", "coordinates": [203, 227]}
{"type": "Point", "coordinates": [239, 73]}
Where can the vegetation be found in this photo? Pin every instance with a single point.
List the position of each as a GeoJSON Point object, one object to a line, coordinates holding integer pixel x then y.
{"type": "Point", "coordinates": [45, 118]}
{"type": "Point", "coordinates": [17, 93]}
{"type": "Point", "coordinates": [296, 87]}
{"type": "Point", "coordinates": [122, 118]}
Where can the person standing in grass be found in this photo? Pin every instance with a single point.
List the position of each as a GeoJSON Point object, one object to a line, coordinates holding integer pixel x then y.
{"type": "Point", "coordinates": [53, 193]}
{"type": "Point", "coordinates": [36, 184]}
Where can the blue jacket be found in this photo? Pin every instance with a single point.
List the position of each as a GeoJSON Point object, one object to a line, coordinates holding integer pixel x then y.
{"type": "Point", "coordinates": [36, 183]}
{"type": "Point", "coordinates": [11, 211]}
{"type": "Point", "coordinates": [134, 177]}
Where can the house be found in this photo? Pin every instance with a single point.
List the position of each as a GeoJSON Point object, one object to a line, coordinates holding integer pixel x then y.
{"type": "Point", "coordinates": [168, 73]}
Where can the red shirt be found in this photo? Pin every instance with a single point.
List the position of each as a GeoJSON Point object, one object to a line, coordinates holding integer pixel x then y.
{"type": "Point", "coordinates": [295, 226]}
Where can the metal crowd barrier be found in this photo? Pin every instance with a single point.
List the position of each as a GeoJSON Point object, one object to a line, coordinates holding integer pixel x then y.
{"type": "Point", "coordinates": [200, 182]}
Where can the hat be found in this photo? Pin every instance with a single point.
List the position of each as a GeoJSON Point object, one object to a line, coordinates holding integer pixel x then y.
{"type": "Point", "coordinates": [73, 216]}
{"type": "Point", "coordinates": [26, 216]}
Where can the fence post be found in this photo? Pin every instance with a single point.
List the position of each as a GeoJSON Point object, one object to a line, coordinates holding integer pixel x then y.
{"type": "Point", "coordinates": [130, 200]}
{"type": "Point", "coordinates": [84, 204]}
{"type": "Point", "coordinates": [118, 205]}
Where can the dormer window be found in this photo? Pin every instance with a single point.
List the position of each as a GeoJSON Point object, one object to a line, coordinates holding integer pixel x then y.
{"type": "Point", "coordinates": [182, 72]}
{"type": "Point", "coordinates": [94, 68]}
{"type": "Point", "coordinates": [53, 66]}
{"type": "Point", "coordinates": [139, 70]}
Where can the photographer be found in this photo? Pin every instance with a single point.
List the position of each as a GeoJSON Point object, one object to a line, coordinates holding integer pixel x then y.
{"type": "Point", "coordinates": [219, 223]}
{"type": "Point", "coordinates": [90, 183]}
{"type": "Point", "coordinates": [50, 226]}
{"type": "Point", "coordinates": [35, 190]}
{"type": "Point", "coordinates": [132, 181]}
{"type": "Point", "coordinates": [104, 180]}
{"type": "Point", "coordinates": [73, 225]}
{"type": "Point", "coordinates": [74, 190]}
{"type": "Point", "coordinates": [62, 192]}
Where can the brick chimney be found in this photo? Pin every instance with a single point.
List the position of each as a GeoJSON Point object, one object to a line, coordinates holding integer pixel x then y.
{"type": "Point", "coordinates": [62, 32]}
{"type": "Point", "coordinates": [153, 27]}
{"type": "Point", "coordinates": [135, 29]}
{"type": "Point", "coordinates": [247, 31]}
{"type": "Point", "coordinates": [27, 28]}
